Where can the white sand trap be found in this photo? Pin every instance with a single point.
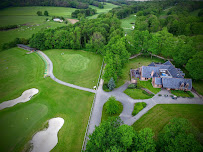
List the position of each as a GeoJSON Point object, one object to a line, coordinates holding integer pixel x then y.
{"type": "Point", "coordinates": [46, 140]}
{"type": "Point", "coordinates": [26, 96]}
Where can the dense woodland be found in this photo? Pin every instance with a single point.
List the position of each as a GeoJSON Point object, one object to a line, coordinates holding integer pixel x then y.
{"type": "Point", "coordinates": [79, 4]}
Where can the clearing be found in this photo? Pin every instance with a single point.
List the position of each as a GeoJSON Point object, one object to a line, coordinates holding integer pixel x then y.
{"type": "Point", "coordinates": [126, 23]}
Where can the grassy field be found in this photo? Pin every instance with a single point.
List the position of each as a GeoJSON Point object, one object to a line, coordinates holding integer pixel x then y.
{"type": "Point", "coordinates": [136, 94]}
{"type": "Point", "coordinates": [135, 63]}
{"type": "Point", "coordinates": [76, 67]}
{"type": "Point", "coordinates": [157, 117]}
{"type": "Point", "coordinates": [20, 72]}
{"type": "Point", "coordinates": [126, 23]}
{"type": "Point", "coordinates": [106, 8]}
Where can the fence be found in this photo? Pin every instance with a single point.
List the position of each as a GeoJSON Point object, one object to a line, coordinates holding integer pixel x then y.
{"type": "Point", "coordinates": [86, 133]}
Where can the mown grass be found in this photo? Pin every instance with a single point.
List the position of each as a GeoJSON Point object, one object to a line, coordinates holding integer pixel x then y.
{"type": "Point", "coordinates": [107, 7]}
{"type": "Point", "coordinates": [157, 117]}
{"type": "Point", "coordinates": [105, 115]}
{"type": "Point", "coordinates": [134, 63]}
{"type": "Point", "coordinates": [76, 67]}
{"type": "Point", "coordinates": [126, 23]}
{"type": "Point", "coordinates": [180, 93]}
{"type": "Point", "coordinates": [137, 94]}
{"type": "Point", "coordinates": [148, 85]}
{"type": "Point", "coordinates": [20, 72]}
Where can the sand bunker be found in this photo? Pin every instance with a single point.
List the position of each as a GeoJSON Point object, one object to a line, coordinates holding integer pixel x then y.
{"type": "Point", "coordinates": [26, 96]}
{"type": "Point", "coordinates": [73, 21]}
{"type": "Point", "coordinates": [46, 140]}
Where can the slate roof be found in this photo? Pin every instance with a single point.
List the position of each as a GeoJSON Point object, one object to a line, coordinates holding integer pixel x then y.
{"type": "Point", "coordinates": [168, 63]}
{"type": "Point", "coordinates": [158, 81]}
{"type": "Point", "coordinates": [174, 83]}
{"type": "Point", "coordinates": [152, 64]}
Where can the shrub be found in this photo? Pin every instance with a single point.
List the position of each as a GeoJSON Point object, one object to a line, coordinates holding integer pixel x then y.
{"type": "Point", "coordinates": [159, 95]}
{"type": "Point", "coordinates": [112, 106]}
{"type": "Point", "coordinates": [46, 13]}
{"type": "Point", "coordinates": [132, 86]}
{"type": "Point", "coordinates": [8, 27]}
{"type": "Point", "coordinates": [145, 92]}
{"type": "Point", "coordinates": [39, 13]}
{"type": "Point", "coordinates": [138, 107]}
{"type": "Point", "coordinates": [111, 84]}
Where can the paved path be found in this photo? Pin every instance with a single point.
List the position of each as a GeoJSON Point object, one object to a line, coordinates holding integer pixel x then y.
{"type": "Point", "coordinates": [50, 65]}
{"type": "Point", "coordinates": [128, 104]}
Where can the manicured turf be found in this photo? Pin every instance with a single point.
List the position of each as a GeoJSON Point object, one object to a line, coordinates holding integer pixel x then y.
{"type": "Point", "coordinates": [76, 67]}
{"type": "Point", "coordinates": [180, 93]}
{"type": "Point", "coordinates": [106, 8]}
{"type": "Point", "coordinates": [21, 122]}
{"type": "Point", "coordinates": [126, 23]}
{"type": "Point", "coordinates": [105, 115]}
{"type": "Point", "coordinates": [137, 94]}
{"type": "Point", "coordinates": [135, 63]}
{"type": "Point", "coordinates": [160, 115]}
{"type": "Point", "coordinates": [198, 85]}
{"type": "Point", "coordinates": [148, 85]}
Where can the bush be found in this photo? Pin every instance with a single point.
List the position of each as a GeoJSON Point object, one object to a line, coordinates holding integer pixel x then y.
{"type": "Point", "coordinates": [132, 86]}
{"type": "Point", "coordinates": [13, 43]}
{"type": "Point", "coordinates": [138, 107]}
{"type": "Point", "coordinates": [145, 92]}
{"type": "Point", "coordinates": [159, 95]}
{"type": "Point", "coordinates": [39, 13]}
{"type": "Point", "coordinates": [112, 106]}
{"type": "Point", "coordinates": [8, 27]}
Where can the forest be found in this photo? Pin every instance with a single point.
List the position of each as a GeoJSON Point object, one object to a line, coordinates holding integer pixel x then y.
{"type": "Point", "coordinates": [79, 4]}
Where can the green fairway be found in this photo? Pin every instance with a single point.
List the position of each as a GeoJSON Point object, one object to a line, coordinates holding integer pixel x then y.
{"type": "Point", "coordinates": [76, 67]}
{"type": "Point", "coordinates": [20, 72]}
{"type": "Point", "coordinates": [157, 117]}
{"type": "Point", "coordinates": [135, 63]}
{"type": "Point", "coordinates": [106, 8]}
{"type": "Point", "coordinates": [126, 23]}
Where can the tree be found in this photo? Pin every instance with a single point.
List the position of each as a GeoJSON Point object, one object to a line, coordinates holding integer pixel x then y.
{"type": "Point", "coordinates": [111, 84]}
{"type": "Point", "coordinates": [179, 136]}
{"type": "Point", "coordinates": [112, 106]}
{"type": "Point", "coordinates": [39, 13]}
{"type": "Point", "coordinates": [195, 66]}
{"type": "Point", "coordinates": [46, 13]}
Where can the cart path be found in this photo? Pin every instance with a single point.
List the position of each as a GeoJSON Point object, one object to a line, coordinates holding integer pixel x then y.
{"type": "Point", "coordinates": [50, 73]}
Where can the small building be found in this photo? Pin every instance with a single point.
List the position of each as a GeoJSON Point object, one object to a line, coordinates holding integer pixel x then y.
{"type": "Point", "coordinates": [57, 20]}
{"type": "Point", "coordinates": [164, 75]}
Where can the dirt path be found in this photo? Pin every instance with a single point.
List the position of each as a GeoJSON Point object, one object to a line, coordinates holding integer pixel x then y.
{"type": "Point", "coordinates": [73, 21]}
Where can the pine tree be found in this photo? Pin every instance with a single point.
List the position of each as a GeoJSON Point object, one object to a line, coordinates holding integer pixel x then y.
{"type": "Point", "coordinates": [111, 84]}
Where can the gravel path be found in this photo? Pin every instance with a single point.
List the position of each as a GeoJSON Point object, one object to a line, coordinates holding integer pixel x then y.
{"type": "Point", "coordinates": [26, 96]}
{"type": "Point", "coordinates": [46, 140]}
{"type": "Point", "coordinates": [50, 64]}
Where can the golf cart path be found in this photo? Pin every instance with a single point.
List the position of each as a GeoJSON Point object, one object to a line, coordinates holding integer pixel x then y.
{"type": "Point", "coordinates": [26, 96]}
{"type": "Point", "coordinates": [46, 140]}
{"type": "Point", "coordinates": [50, 73]}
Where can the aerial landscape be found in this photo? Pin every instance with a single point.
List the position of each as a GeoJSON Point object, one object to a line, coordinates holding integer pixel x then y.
{"type": "Point", "coordinates": [101, 76]}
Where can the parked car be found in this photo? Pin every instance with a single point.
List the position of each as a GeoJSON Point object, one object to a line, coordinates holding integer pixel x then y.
{"type": "Point", "coordinates": [174, 97]}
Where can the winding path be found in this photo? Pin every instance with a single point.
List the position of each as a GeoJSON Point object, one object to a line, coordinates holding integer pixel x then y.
{"type": "Point", "coordinates": [50, 73]}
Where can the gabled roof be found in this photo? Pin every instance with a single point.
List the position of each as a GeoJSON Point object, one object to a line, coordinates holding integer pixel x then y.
{"type": "Point", "coordinates": [167, 63]}
{"type": "Point", "coordinates": [174, 83]}
{"type": "Point", "coordinates": [152, 64]}
{"type": "Point", "coordinates": [155, 75]}
{"type": "Point", "coordinates": [158, 81]}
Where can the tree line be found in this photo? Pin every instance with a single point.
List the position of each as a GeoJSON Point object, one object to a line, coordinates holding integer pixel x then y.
{"type": "Point", "coordinates": [79, 4]}
{"type": "Point", "coordinates": [83, 13]}
{"type": "Point", "coordinates": [179, 135]}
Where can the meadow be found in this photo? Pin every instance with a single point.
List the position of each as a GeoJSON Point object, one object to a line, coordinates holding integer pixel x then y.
{"type": "Point", "coordinates": [77, 67]}
{"type": "Point", "coordinates": [157, 117]}
{"type": "Point", "coordinates": [21, 71]}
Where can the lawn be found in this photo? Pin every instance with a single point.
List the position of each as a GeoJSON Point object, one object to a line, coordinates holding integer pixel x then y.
{"type": "Point", "coordinates": [20, 72]}
{"type": "Point", "coordinates": [106, 9]}
{"type": "Point", "coordinates": [137, 94]}
{"type": "Point", "coordinates": [148, 85]}
{"type": "Point", "coordinates": [126, 23]}
{"type": "Point", "coordinates": [180, 93]}
{"type": "Point", "coordinates": [198, 85]}
{"type": "Point", "coordinates": [157, 117]}
{"type": "Point", "coordinates": [77, 67]}
{"type": "Point", "coordinates": [138, 107]}
{"type": "Point", "coordinates": [135, 63]}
